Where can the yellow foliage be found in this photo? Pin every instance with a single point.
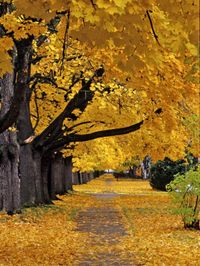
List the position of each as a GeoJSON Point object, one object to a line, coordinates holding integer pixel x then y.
{"type": "Point", "coordinates": [143, 72]}
{"type": "Point", "coordinates": [6, 44]}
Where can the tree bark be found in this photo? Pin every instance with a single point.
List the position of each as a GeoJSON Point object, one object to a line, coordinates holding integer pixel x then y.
{"type": "Point", "coordinates": [30, 160]}
{"type": "Point", "coordinates": [57, 173]}
{"type": "Point", "coordinates": [9, 153]}
{"type": "Point", "coordinates": [75, 179]}
{"type": "Point", "coordinates": [61, 175]}
{"type": "Point", "coordinates": [46, 178]}
{"type": "Point", "coordinates": [68, 173]}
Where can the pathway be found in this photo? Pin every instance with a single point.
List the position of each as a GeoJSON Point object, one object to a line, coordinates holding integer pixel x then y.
{"type": "Point", "coordinates": [106, 228]}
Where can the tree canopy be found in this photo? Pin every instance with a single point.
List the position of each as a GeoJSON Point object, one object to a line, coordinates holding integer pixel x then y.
{"type": "Point", "coordinates": [103, 68]}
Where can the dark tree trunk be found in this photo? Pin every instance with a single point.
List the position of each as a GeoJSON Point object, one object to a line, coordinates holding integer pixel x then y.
{"type": "Point", "coordinates": [28, 174]}
{"type": "Point", "coordinates": [36, 178]}
{"type": "Point", "coordinates": [75, 179]}
{"type": "Point", "coordinates": [46, 178]}
{"type": "Point", "coordinates": [68, 173]}
{"type": "Point", "coordinates": [85, 177]}
{"type": "Point", "coordinates": [30, 160]}
{"type": "Point", "coordinates": [80, 180]}
{"type": "Point", "coordinates": [34, 167]}
{"type": "Point", "coordinates": [57, 173]}
{"type": "Point", "coordinates": [9, 154]}
{"type": "Point", "coordinates": [96, 173]}
{"type": "Point", "coordinates": [61, 175]}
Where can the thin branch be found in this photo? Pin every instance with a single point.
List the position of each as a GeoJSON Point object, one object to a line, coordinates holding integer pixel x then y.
{"type": "Point", "coordinates": [93, 123]}
{"type": "Point", "coordinates": [76, 125]}
{"type": "Point", "coordinates": [37, 110]}
{"type": "Point", "coordinates": [75, 79]}
{"type": "Point", "coordinates": [93, 4]}
{"type": "Point", "coordinates": [65, 40]}
{"type": "Point", "coordinates": [196, 205]}
{"type": "Point", "coordinates": [73, 57]}
{"type": "Point", "coordinates": [38, 78]}
{"type": "Point", "coordinates": [152, 26]}
{"type": "Point", "coordinates": [51, 28]}
{"type": "Point", "coordinates": [43, 79]}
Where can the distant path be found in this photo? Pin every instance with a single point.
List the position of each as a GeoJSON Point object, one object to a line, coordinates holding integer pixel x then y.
{"type": "Point", "coordinates": [106, 225]}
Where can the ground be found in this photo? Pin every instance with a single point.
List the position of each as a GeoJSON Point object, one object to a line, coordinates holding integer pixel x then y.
{"type": "Point", "coordinates": [105, 222]}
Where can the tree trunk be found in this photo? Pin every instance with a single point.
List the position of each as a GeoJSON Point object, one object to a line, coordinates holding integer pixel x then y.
{"type": "Point", "coordinates": [34, 167]}
{"type": "Point", "coordinates": [68, 174]}
{"type": "Point", "coordinates": [80, 179]}
{"type": "Point", "coordinates": [30, 160]}
{"type": "Point", "coordinates": [57, 174]}
{"type": "Point", "coordinates": [9, 154]}
{"type": "Point", "coordinates": [61, 175]}
{"type": "Point", "coordinates": [28, 174]}
{"type": "Point", "coordinates": [46, 178]}
{"type": "Point", "coordinates": [75, 179]}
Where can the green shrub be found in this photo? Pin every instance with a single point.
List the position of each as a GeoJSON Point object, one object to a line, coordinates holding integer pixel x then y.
{"type": "Point", "coordinates": [185, 190]}
{"type": "Point", "coordinates": [163, 172]}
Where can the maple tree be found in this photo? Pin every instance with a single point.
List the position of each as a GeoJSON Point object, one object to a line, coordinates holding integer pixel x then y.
{"type": "Point", "coordinates": [88, 69]}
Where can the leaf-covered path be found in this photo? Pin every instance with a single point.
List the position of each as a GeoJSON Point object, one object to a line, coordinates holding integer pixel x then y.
{"type": "Point", "coordinates": [130, 225]}
{"type": "Point", "coordinates": [104, 222]}
{"type": "Point", "coordinates": [106, 225]}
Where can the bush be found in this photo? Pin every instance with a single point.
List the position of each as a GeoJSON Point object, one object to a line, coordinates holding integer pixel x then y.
{"type": "Point", "coordinates": [163, 172]}
{"type": "Point", "coordinates": [185, 190]}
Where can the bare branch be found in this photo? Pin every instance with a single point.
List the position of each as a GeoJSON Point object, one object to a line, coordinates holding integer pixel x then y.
{"type": "Point", "coordinates": [152, 26]}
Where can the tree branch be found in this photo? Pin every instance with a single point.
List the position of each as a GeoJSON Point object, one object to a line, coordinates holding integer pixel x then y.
{"type": "Point", "coordinates": [99, 134]}
{"type": "Point", "coordinates": [53, 130]}
{"type": "Point", "coordinates": [65, 39]}
{"type": "Point", "coordinates": [152, 27]}
{"type": "Point", "coordinates": [37, 110]}
{"type": "Point", "coordinates": [73, 137]}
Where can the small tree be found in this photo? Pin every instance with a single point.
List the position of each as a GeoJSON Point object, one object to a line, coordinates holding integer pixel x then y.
{"type": "Point", "coordinates": [163, 172]}
{"type": "Point", "coordinates": [185, 189]}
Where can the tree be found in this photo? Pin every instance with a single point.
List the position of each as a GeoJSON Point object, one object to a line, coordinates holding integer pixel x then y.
{"type": "Point", "coordinates": [185, 189]}
{"type": "Point", "coordinates": [163, 172]}
{"type": "Point", "coordinates": [40, 36]}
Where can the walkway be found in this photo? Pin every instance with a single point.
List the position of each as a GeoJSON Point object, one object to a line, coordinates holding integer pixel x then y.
{"type": "Point", "coordinates": [106, 227]}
